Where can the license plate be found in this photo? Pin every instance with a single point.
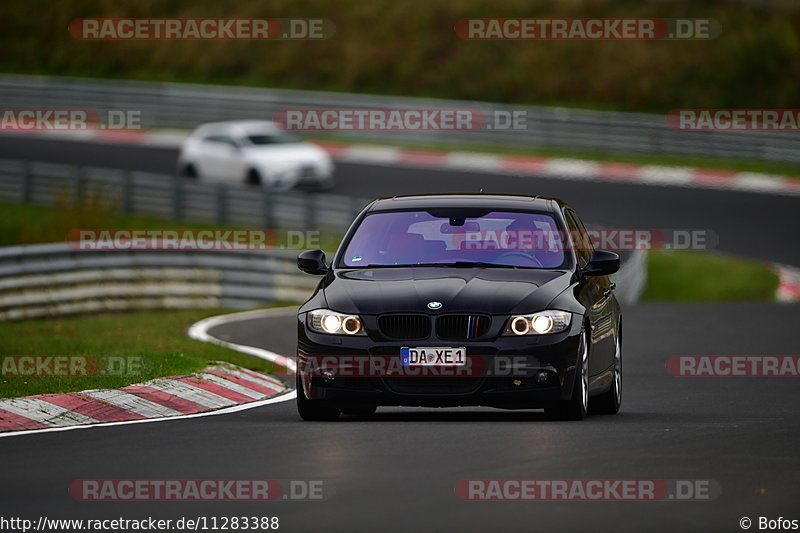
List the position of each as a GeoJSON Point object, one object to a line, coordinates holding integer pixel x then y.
{"type": "Point", "coordinates": [434, 356]}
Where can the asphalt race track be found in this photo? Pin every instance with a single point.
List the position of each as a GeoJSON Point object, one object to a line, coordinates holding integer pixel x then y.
{"type": "Point", "coordinates": [397, 471]}
{"type": "Point", "coordinates": [761, 226]}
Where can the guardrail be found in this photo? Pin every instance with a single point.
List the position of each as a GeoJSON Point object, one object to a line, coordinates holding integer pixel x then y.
{"type": "Point", "coordinates": [43, 280]}
{"type": "Point", "coordinates": [175, 198]}
{"type": "Point", "coordinates": [187, 105]}
{"type": "Point", "coordinates": [55, 279]}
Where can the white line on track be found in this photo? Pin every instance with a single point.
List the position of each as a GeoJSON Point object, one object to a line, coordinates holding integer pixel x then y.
{"type": "Point", "coordinates": [199, 331]}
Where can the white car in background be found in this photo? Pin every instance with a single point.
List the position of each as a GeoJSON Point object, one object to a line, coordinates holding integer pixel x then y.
{"type": "Point", "coordinates": [254, 152]}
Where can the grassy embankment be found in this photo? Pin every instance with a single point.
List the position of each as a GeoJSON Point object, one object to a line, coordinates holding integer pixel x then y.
{"type": "Point", "coordinates": [410, 48]}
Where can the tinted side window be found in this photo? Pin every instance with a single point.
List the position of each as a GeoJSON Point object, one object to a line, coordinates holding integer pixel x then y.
{"type": "Point", "coordinates": [584, 233]}
{"type": "Point", "coordinates": [221, 139]}
{"type": "Point", "coordinates": [579, 238]}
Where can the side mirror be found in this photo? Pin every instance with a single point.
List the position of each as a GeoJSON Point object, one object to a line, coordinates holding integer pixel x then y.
{"type": "Point", "coordinates": [602, 264]}
{"type": "Point", "coordinates": [312, 262]}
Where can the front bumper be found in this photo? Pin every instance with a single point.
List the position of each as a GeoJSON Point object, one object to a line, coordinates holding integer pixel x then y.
{"type": "Point", "coordinates": [509, 372]}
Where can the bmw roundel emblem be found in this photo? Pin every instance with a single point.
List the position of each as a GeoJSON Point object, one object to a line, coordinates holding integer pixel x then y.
{"type": "Point", "coordinates": [434, 305]}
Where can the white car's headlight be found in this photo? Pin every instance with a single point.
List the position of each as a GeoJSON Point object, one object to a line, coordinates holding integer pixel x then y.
{"type": "Point", "coordinates": [541, 323]}
{"type": "Point", "coordinates": [333, 323]}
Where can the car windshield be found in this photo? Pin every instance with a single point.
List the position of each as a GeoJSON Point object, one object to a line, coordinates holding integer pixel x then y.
{"type": "Point", "coordinates": [262, 138]}
{"type": "Point", "coordinates": [492, 239]}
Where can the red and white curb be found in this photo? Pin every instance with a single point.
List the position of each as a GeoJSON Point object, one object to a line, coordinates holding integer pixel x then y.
{"type": "Point", "coordinates": [218, 389]}
{"type": "Point", "coordinates": [789, 283]}
{"type": "Point", "coordinates": [520, 165]}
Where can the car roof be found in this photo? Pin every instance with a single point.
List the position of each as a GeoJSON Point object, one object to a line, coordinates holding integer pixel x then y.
{"type": "Point", "coordinates": [240, 127]}
{"type": "Point", "coordinates": [468, 200]}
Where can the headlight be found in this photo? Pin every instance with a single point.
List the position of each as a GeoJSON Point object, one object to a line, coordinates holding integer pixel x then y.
{"type": "Point", "coordinates": [333, 323]}
{"type": "Point", "coordinates": [541, 323]}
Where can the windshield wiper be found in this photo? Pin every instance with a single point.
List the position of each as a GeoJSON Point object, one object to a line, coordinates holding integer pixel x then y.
{"type": "Point", "coordinates": [372, 265]}
{"type": "Point", "coordinates": [473, 264]}
{"type": "Point", "coordinates": [454, 264]}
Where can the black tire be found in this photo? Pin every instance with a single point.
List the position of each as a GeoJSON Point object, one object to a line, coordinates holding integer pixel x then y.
{"type": "Point", "coordinates": [314, 410]}
{"type": "Point", "coordinates": [363, 412]}
{"type": "Point", "coordinates": [576, 407]}
{"type": "Point", "coordinates": [609, 402]}
{"type": "Point", "coordinates": [253, 177]}
{"type": "Point", "coordinates": [188, 171]}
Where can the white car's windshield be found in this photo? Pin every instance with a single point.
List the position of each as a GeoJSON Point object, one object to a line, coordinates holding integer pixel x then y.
{"type": "Point", "coordinates": [271, 138]}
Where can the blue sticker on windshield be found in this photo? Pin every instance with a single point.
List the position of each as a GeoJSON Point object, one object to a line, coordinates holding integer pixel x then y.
{"type": "Point", "coordinates": [356, 259]}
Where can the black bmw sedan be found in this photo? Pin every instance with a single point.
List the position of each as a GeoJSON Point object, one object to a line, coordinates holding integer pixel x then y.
{"type": "Point", "coordinates": [459, 300]}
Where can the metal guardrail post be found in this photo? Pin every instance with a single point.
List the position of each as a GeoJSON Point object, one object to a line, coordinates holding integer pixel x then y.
{"type": "Point", "coordinates": [26, 191]}
{"type": "Point", "coordinates": [177, 198]}
{"type": "Point", "coordinates": [79, 186]}
{"type": "Point", "coordinates": [356, 207]}
{"type": "Point", "coordinates": [222, 214]}
{"type": "Point", "coordinates": [267, 210]}
{"type": "Point", "coordinates": [310, 222]}
{"type": "Point", "coordinates": [127, 192]}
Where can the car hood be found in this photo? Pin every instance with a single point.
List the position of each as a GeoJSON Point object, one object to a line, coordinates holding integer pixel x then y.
{"type": "Point", "coordinates": [288, 154]}
{"type": "Point", "coordinates": [475, 290]}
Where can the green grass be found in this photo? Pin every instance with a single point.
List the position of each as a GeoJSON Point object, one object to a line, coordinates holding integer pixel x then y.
{"type": "Point", "coordinates": [33, 224]}
{"type": "Point", "coordinates": [410, 48]}
{"type": "Point", "coordinates": [713, 163]}
{"type": "Point", "coordinates": [158, 337]}
{"type": "Point", "coordinates": [30, 224]}
{"type": "Point", "coordinates": [690, 276]}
